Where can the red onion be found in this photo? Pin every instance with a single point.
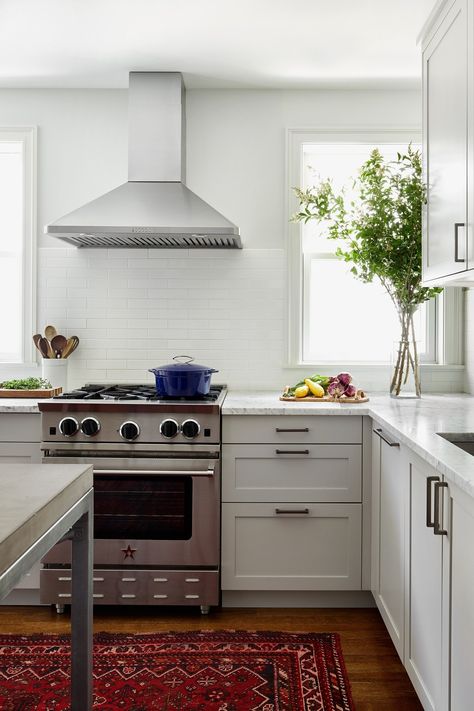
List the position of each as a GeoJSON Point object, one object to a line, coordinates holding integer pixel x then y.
{"type": "Point", "coordinates": [350, 390]}
{"type": "Point", "coordinates": [335, 388]}
{"type": "Point", "coordinates": [345, 378]}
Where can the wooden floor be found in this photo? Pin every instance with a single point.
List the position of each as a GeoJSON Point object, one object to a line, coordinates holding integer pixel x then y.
{"type": "Point", "coordinates": [378, 679]}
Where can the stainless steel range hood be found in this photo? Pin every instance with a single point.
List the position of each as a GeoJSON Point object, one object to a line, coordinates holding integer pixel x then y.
{"type": "Point", "coordinates": [154, 208]}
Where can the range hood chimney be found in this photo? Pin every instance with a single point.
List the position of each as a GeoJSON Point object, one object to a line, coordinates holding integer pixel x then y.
{"type": "Point", "coordinates": [154, 208]}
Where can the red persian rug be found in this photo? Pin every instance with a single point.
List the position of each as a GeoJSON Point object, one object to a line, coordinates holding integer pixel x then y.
{"type": "Point", "coordinates": [192, 671]}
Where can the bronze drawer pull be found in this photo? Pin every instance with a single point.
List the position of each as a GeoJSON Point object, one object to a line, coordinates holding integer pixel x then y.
{"type": "Point", "coordinates": [390, 442]}
{"type": "Point", "coordinates": [290, 429]}
{"type": "Point", "coordinates": [292, 511]}
{"type": "Point", "coordinates": [291, 451]}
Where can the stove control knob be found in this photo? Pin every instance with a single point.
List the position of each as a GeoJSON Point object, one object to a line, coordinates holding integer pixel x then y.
{"type": "Point", "coordinates": [129, 430]}
{"type": "Point", "coordinates": [68, 426]}
{"type": "Point", "coordinates": [90, 426]}
{"type": "Point", "coordinates": [190, 429]}
{"type": "Point", "coordinates": [169, 428]}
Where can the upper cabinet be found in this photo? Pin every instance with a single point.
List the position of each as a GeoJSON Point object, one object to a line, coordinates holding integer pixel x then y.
{"type": "Point", "coordinates": [448, 254]}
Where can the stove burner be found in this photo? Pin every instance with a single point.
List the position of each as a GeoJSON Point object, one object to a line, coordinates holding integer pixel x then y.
{"type": "Point", "coordinates": [133, 393]}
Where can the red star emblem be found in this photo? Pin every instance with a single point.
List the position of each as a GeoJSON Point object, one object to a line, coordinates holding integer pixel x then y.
{"type": "Point", "coordinates": [129, 552]}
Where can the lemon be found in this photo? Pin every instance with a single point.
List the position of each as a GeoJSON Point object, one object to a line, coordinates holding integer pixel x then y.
{"type": "Point", "coordinates": [316, 389]}
{"type": "Point", "coordinates": [302, 391]}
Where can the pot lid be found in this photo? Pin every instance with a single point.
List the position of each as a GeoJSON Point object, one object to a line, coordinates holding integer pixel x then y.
{"type": "Point", "coordinates": [183, 367]}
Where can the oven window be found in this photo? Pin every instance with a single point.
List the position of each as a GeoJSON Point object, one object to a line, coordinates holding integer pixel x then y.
{"type": "Point", "coordinates": [143, 507]}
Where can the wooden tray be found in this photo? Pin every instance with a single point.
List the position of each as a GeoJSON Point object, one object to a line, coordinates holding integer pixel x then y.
{"type": "Point", "coordinates": [49, 392]}
{"type": "Point", "coordinates": [359, 398]}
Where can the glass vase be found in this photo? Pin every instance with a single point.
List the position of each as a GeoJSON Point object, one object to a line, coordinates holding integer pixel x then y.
{"type": "Point", "coordinates": [405, 370]}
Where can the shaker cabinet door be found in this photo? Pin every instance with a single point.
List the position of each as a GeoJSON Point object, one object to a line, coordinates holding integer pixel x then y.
{"type": "Point", "coordinates": [445, 150]}
{"type": "Point", "coordinates": [389, 478]}
{"type": "Point", "coordinates": [425, 630]}
{"type": "Point", "coordinates": [292, 546]}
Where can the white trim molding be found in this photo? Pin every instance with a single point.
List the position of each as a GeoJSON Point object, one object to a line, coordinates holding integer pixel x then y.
{"type": "Point", "coordinates": [447, 340]}
{"type": "Point", "coordinates": [27, 135]}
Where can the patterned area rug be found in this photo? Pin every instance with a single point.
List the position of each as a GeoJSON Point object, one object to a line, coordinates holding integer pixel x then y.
{"type": "Point", "coordinates": [185, 671]}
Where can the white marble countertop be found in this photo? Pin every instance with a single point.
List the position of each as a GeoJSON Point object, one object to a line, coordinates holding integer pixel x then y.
{"type": "Point", "coordinates": [414, 423]}
{"type": "Point", "coordinates": [20, 404]}
{"type": "Point", "coordinates": [34, 497]}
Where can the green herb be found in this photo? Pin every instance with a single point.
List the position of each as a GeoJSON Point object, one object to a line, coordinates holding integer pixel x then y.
{"type": "Point", "coordinates": [26, 384]}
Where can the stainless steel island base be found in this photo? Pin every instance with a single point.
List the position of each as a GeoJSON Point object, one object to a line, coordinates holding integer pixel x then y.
{"type": "Point", "coordinates": [41, 505]}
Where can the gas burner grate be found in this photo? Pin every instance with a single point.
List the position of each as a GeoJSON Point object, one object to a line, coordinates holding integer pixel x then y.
{"type": "Point", "coordinates": [133, 393]}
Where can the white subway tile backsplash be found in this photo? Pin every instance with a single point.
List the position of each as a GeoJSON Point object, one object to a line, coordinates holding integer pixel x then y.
{"type": "Point", "coordinates": [135, 308]}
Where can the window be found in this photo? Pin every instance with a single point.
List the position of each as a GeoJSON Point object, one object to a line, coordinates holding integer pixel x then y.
{"type": "Point", "coordinates": [17, 243]}
{"type": "Point", "coordinates": [335, 318]}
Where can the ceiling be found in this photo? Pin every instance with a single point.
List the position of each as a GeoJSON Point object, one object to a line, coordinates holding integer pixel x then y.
{"type": "Point", "coordinates": [214, 43]}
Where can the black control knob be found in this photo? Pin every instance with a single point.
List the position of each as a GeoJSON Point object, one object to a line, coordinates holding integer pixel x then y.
{"type": "Point", "coordinates": [190, 429]}
{"type": "Point", "coordinates": [129, 430]}
{"type": "Point", "coordinates": [90, 426]}
{"type": "Point", "coordinates": [169, 428]}
{"type": "Point", "coordinates": [68, 426]}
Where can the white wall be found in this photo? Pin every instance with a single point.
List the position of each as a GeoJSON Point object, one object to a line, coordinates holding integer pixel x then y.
{"type": "Point", "coordinates": [135, 309]}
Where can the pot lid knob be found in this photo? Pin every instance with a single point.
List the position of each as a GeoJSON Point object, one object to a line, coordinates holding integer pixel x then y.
{"type": "Point", "coordinates": [188, 359]}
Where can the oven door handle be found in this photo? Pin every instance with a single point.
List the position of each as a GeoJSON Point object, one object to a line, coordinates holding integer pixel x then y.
{"type": "Point", "coordinates": [210, 471]}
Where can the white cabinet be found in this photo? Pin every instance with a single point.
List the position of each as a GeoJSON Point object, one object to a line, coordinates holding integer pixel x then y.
{"type": "Point", "coordinates": [448, 144]}
{"type": "Point", "coordinates": [292, 503]}
{"type": "Point", "coordinates": [427, 614]}
{"type": "Point", "coordinates": [462, 601]}
{"type": "Point", "coordinates": [389, 486]}
{"type": "Point", "coordinates": [20, 436]}
{"type": "Point", "coordinates": [310, 472]}
{"type": "Point", "coordinates": [302, 546]}
{"type": "Point", "coordinates": [445, 68]}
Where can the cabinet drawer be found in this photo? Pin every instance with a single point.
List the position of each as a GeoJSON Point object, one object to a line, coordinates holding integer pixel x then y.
{"type": "Point", "coordinates": [20, 453]}
{"type": "Point", "coordinates": [281, 429]}
{"type": "Point", "coordinates": [20, 427]}
{"type": "Point", "coordinates": [266, 550]}
{"type": "Point", "coordinates": [318, 473]}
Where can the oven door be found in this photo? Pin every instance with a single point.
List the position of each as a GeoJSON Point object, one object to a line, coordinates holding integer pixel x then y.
{"type": "Point", "coordinates": [150, 512]}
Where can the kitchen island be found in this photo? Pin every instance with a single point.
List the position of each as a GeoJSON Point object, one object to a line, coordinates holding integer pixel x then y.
{"type": "Point", "coordinates": [41, 504]}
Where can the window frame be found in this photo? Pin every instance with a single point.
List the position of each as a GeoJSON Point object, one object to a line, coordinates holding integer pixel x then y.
{"type": "Point", "coordinates": [445, 325]}
{"type": "Point", "coordinates": [27, 135]}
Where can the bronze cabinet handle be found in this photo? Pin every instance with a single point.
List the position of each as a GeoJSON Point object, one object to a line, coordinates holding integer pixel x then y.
{"type": "Point", "coordinates": [438, 531]}
{"type": "Point", "coordinates": [457, 225]}
{"type": "Point", "coordinates": [292, 511]}
{"type": "Point", "coordinates": [390, 442]}
{"type": "Point", "coordinates": [292, 429]}
{"type": "Point", "coordinates": [429, 481]}
{"type": "Point", "coordinates": [291, 451]}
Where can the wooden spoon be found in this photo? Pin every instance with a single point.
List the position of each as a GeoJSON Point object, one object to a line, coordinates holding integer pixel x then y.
{"type": "Point", "coordinates": [36, 338]}
{"type": "Point", "coordinates": [70, 347]}
{"type": "Point", "coordinates": [44, 347]}
{"type": "Point", "coordinates": [58, 343]}
{"type": "Point", "coordinates": [50, 332]}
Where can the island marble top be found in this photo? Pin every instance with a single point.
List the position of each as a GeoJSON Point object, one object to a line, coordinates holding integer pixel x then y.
{"type": "Point", "coordinates": [33, 498]}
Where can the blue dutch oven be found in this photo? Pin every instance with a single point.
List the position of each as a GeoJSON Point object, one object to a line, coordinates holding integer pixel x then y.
{"type": "Point", "coordinates": [182, 379]}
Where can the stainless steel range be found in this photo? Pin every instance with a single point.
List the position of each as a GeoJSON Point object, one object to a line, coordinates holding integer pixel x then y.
{"type": "Point", "coordinates": [156, 493]}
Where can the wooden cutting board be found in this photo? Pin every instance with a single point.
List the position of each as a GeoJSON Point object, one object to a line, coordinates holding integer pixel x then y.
{"type": "Point", "coordinates": [359, 398]}
{"type": "Point", "coordinates": [49, 392]}
{"type": "Point", "coordinates": [326, 398]}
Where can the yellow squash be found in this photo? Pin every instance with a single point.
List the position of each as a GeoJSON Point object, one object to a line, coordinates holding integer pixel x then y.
{"type": "Point", "coordinates": [302, 391]}
{"type": "Point", "coordinates": [316, 389]}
